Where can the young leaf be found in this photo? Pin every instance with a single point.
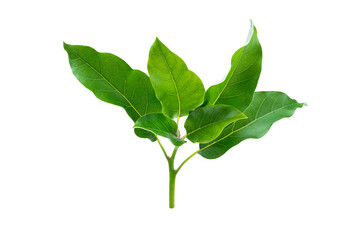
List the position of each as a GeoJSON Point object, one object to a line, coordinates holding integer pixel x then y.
{"type": "Point", "coordinates": [179, 89]}
{"type": "Point", "coordinates": [160, 125]}
{"type": "Point", "coordinates": [238, 88]}
{"type": "Point", "coordinates": [265, 109]}
{"type": "Point", "coordinates": [112, 80]}
{"type": "Point", "coordinates": [206, 123]}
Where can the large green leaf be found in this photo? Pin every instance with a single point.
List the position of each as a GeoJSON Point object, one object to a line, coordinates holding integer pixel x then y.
{"type": "Point", "coordinates": [112, 80]}
{"type": "Point", "coordinates": [238, 87]}
{"type": "Point", "coordinates": [179, 89]}
{"type": "Point", "coordinates": [265, 109]}
{"type": "Point", "coordinates": [160, 125]}
{"type": "Point", "coordinates": [206, 123]}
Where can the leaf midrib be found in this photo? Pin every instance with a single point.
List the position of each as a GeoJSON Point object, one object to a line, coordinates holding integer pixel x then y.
{"type": "Point", "coordinates": [229, 79]}
{"type": "Point", "coordinates": [244, 126]}
{"type": "Point", "coordinates": [198, 129]}
{"type": "Point", "coordinates": [106, 81]}
{"type": "Point", "coordinates": [175, 85]}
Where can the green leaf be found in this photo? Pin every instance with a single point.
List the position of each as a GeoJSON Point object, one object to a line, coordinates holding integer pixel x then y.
{"type": "Point", "coordinates": [265, 109]}
{"type": "Point", "coordinates": [206, 123]}
{"type": "Point", "coordinates": [145, 134]}
{"type": "Point", "coordinates": [160, 125]}
{"type": "Point", "coordinates": [179, 89]}
{"type": "Point", "coordinates": [113, 81]}
{"type": "Point", "coordinates": [238, 87]}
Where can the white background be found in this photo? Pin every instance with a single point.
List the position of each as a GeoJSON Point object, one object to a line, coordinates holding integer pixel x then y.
{"type": "Point", "coordinates": [71, 167]}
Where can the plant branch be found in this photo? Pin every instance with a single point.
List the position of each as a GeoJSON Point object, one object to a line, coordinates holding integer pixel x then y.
{"type": "Point", "coordinates": [172, 177]}
{"type": "Point", "coordinates": [174, 153]}
{"type": "Point", "coordinates": [180, 166]}
{"type": "Point", "coordinates": [201, 150]}
{"type": "Point", "coordinates": [161, 146]}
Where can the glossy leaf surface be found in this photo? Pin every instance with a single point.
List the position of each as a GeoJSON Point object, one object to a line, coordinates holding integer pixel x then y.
{"type": "Point", "coordinates": [179, 89]}
{"type": "Point", "coordinates": [160, 125]}
{"type": "Point", "coordinates": [265, 109]}
{"type": "Point", "coordinates": [238, 87]}
{"type": "Point", "coordinates": [112, 80]}
{"type": "Point", "coordinates": [206, 123]}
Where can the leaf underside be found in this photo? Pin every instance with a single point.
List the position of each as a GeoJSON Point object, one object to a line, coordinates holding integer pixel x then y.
{"type": "Point", "coordinates": [265, 109]}
{"type": "Point", "coordinates": [160, 125]}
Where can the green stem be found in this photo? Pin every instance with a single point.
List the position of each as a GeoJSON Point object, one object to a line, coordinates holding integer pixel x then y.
{"type": "Point", "coordinates": [172, 177]}
{"type": "Point", "coordinates": [180, 166]}
{"type": "Point", "coordinates": [161, 146]}
{"type": "Point", "coordinates": [173, 172]}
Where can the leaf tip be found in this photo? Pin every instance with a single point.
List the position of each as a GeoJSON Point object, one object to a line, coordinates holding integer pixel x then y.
{"type": "Point", "coordinates": [252, 25]}
{"type": "Point", "coordinates": [157, 41]}
{"type": "Point", "coordinates": [65, 45]}
{"type": "Point", "coordinates": [252, 30]}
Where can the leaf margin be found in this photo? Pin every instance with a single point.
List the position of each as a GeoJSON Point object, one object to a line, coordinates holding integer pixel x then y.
{"type": "Point", "coordinates": [205, 146]}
